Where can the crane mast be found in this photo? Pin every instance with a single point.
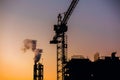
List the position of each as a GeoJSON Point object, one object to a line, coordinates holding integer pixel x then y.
{"type": "Point", "coordinates": [60, 39]}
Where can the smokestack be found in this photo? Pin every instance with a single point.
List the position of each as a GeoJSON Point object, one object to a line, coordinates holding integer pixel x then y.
{"type": "Point", "coordinates": [38, 68]}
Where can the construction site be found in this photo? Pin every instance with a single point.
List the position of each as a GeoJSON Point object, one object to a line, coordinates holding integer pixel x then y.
{"type": "Point", "coordinates": [78, 68]}
{"type": "Point", "coordinates": [67, 67]}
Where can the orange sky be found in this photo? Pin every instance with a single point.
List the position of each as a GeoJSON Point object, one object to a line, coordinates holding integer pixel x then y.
{"type": "Point", "coordinates": [93, 27]}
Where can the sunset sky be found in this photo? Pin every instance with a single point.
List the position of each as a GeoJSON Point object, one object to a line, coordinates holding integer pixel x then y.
{"type": "Point", "coordinates": [94, 27]}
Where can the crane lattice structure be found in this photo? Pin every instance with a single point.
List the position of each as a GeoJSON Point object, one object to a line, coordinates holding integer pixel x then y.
{"type": "Point", "coordinates": [60, 40]}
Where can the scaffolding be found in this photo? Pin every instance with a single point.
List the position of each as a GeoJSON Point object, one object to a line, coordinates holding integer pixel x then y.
{"type": "Point", "coordinates": [38, 71]}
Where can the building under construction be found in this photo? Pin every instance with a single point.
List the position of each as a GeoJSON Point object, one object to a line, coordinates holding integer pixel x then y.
{"type": "Point", "coordinates": [101, 69]}
{"type": "Point", "coordinates": [77, 68]}
{"type": "Point", "coordinates": [38, 71]}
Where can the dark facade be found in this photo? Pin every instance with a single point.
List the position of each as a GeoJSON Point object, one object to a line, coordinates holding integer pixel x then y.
{"type": "Point", "coordinates": [101, 69]}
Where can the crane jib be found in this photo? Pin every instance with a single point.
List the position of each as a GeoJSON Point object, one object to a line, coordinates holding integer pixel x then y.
{"type": "Point", "coordinates": [62, 27]}
{"type": "Point", "coordinates": [69, 11]}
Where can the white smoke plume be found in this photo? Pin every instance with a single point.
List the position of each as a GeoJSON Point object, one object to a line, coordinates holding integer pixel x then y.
{"type": "Point", "coordinates": [37, 55]}
{"type": "Point", "coordinates": [31, 44]}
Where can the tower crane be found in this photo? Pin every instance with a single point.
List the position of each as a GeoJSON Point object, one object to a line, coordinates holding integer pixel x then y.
{"type": "Point", "coordinates": [60, 40]}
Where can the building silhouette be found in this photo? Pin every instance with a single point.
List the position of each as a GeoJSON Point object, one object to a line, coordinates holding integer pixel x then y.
{"type": "Point", "coordinates": [38, 71]}
{"type": "Point", "coordinates": [101, 69]}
